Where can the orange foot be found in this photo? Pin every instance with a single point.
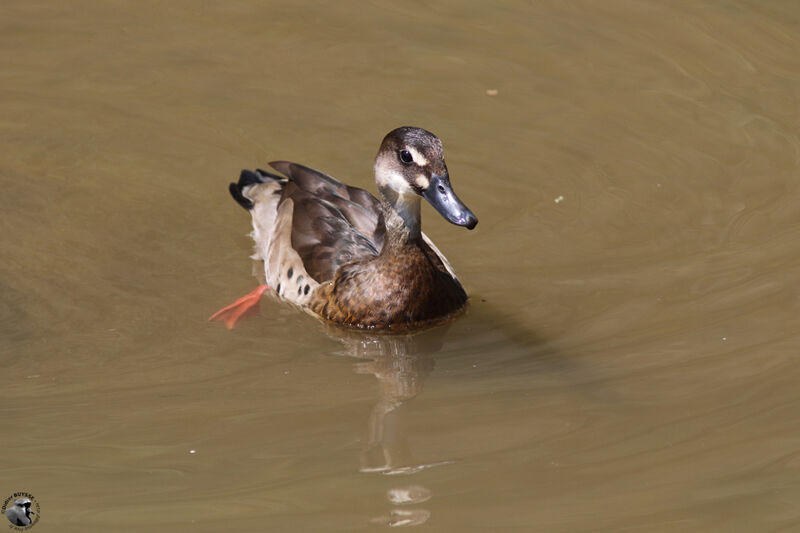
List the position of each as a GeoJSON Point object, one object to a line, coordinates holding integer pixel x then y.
{"type": "Point", "coordinates": [231, 313]}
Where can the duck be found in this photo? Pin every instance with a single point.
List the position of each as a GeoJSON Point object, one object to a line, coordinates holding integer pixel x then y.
{"type": "Point", "coordinates": [347, 257]}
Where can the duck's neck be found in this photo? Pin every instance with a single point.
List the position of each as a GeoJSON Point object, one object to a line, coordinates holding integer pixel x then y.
{"type": "Point", "coordinates": [402, 218]}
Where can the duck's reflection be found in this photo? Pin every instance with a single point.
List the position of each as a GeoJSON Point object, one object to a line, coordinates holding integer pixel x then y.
{"type": "Point", "coordinates": [401, 363]}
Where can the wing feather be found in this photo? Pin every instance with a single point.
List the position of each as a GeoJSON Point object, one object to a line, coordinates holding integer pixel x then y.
{"type": "Point", "coordinates": [332, 223]}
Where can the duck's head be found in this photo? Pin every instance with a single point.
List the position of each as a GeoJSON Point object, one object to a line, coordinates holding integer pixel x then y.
{"type": "Point", "coordinates": [409, 164]}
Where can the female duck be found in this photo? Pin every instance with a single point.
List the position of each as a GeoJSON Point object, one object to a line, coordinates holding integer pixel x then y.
{"type": "Point", "coordinates": [345, 256]}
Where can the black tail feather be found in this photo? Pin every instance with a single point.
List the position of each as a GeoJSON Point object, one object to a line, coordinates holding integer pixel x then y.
{"type": "Point", "coordinates": [265, 174]}
{"type": "Point", "coordinates": [247, 178]}
{"type": "Point", "coordinates": [236, 192]}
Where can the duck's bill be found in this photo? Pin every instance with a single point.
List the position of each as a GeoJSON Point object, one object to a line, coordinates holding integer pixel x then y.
{"type": "Point", "coordinates": [441, 196]}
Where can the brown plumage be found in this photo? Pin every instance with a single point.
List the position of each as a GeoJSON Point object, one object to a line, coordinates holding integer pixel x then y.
{"type": "Point", "coordinates": [404, 288]}
{"type": "Point", "coordinates": [348, 257]}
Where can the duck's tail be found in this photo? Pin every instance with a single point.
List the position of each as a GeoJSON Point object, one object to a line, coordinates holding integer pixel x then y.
{"type": "Point", "coordinates": [247, 179]}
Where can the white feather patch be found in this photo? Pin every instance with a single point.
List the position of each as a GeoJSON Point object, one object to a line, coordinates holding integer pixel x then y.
{"type": "Point", "coordinates": [393, 180]}
{"type": "Point", "coordinates": [419, 159]}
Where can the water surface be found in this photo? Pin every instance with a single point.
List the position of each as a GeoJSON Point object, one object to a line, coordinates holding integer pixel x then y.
{"type": "Point", "coordinates": [629, 358]}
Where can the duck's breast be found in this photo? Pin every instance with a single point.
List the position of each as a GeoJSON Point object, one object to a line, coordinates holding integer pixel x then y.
{"type": "Point", "coordinates": [390, 291]}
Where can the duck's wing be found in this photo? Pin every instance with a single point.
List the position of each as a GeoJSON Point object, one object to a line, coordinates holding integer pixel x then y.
{"type": "Point", "coordinates": [360, 208]}
{"type": "Point", "coordinates": [439, 259]}
{"type": "Point", "coordinates": [332, 223]}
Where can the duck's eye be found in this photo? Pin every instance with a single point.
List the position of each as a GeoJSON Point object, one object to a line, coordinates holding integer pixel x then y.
{"type": "Point", "coordinates": [405, 156]}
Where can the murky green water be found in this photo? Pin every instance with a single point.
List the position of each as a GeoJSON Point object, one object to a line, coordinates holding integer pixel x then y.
{"type": "Point", "coordinates": [629, 360]}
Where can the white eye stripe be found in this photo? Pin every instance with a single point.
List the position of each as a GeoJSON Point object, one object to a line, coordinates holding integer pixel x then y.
{"type": "Point", "coordinates": [419, 159]}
